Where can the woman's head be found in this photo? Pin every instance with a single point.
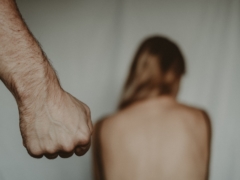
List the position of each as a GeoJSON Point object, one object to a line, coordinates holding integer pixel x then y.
{"type": "Point", "coordinates": [157, 68]}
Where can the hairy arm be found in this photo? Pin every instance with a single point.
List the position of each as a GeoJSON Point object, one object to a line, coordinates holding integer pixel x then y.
{"type": "Point", "coordinates": [24, 68]}
{"type": "Point", "coordinates": [52, 122]}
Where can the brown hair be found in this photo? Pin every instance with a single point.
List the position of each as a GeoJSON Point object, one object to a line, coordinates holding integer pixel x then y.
{"type": "Point", "coordinates": [149, 73]}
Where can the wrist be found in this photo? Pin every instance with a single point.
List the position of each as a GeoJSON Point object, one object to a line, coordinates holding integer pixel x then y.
{"type": "Point", "coordinates": [36, 82]}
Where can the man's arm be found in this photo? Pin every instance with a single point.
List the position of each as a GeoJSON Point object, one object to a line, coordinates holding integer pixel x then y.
{"type": "Point", "coordinates": [52, 122]}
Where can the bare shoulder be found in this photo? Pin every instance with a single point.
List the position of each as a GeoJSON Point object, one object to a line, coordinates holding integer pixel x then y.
{"type": "Point", "coordinates": [104, 127]}
{"type": "Point", "coordinates": [186, 119]}
{"type": "Point", "coordinates": [195, 118]}
{"type": "Point", "coordinates": [196, 135]}
{"type": "Point", "coordinates": [196, 125]}
{"type": "Point", "coordinates": [97, 148]}
{"type": "Point", "coordinates": [107, 126]}
{"type": "Point", "coordinates": [99, 126]}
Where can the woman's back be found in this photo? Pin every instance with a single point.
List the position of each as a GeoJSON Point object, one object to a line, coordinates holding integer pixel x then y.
{"type": "Point", "coordinates": [153, 139]}
{"type": "Point", "coordinates": [152, 136]}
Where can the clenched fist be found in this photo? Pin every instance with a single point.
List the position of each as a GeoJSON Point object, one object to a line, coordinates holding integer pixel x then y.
{"type": "Point", "coordinates": [52, 122]}
{"type": "Point", "coordinates": [58, 125]}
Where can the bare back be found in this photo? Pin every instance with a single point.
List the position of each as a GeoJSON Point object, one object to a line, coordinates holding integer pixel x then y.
{"type": "Point", "coordinates": [156, 139]}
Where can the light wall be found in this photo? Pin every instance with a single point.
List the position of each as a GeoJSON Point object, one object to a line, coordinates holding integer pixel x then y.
{"type": "Point", "coordinates": [90, 44]}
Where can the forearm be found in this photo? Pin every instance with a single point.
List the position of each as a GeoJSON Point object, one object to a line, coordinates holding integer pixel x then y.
{"type": "Point", "coordinates": [24, 68]}
{"type": "Point", "coordinates": [52, 122]}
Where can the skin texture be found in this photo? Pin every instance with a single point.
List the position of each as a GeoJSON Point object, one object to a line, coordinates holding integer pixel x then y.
{"type": "Point", "coordinates": [52, 121]}
{"type": "Point", "coordinates": [154, 139]}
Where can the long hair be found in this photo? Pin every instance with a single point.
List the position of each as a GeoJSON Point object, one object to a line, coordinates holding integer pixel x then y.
{"type": "Point", "coordinates": [149, 73]}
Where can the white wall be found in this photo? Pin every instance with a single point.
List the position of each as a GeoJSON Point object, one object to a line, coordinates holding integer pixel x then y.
{"type": "Point", "coordinates": [91, 43]}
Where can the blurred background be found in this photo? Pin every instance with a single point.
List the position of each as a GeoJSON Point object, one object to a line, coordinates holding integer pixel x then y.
{"type": "Point", "coordinates": [91, 43]}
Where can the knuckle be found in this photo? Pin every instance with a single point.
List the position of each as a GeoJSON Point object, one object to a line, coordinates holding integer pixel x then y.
{"type": "Point", "coordinates": [91, 127]}
{"type": "Point", "coordinates": [87, 109]}
{"type": "Point", "coordinates": [81, 150]}
{"type": "Point", "coordinates": [35, 150]}
{"type": "Point", "coordinates": [83, 137]}
{"type": "Point", "coordinates": [50, 149]}
{"type": "Point", "coordinates": [51, 156]}
{"type": "Point", "coordinates": [67, 146]}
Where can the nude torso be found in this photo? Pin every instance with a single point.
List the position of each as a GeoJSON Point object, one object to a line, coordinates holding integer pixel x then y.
{"type": "Point", "coordinates": [157, 139]}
